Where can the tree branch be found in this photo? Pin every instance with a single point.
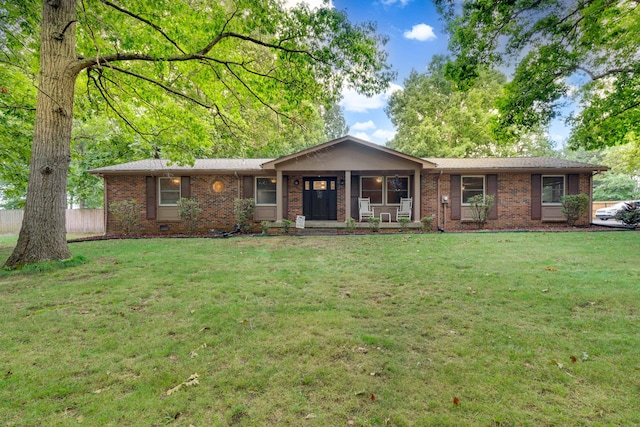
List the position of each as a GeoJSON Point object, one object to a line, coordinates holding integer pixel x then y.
{"type": "Point", "coordinates": [141, 19]}
{"type": "Point", "coordinates": [159, 84]}
{"type": "Point", "coordinates": [119, 57]}
{"type": "Point", "coordinates": [607, 73]}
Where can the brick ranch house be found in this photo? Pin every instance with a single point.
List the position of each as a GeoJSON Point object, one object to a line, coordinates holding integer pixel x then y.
{"type": "Point", "coordinates": [324, 182]}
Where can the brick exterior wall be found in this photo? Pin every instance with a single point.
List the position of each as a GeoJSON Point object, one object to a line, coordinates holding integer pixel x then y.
{"type": "Point", "coordinates": [514, 202]}
{"type": "Point", "coordinates": [217, 208]}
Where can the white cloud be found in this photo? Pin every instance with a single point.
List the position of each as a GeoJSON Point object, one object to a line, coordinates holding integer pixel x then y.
{"type": "Point", "coordinates": [420, 32]}
{"type": "Point", "coordinates": [355, 102]}
{"type": "Point", "coordinates": [364, 125]}
{"type": "Point", "coordinates": [363, 135]}
{"type": "Point", "coordinates": [392, 2]}
{"type": "Point", "coordinates": [384, 135]}
{"type": "Point", "coordinates": [380, 136]}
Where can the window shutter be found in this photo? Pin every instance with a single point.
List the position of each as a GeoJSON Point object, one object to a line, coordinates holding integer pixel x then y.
{"type": "Point", "coordinates": [536, 196]}
{"type": "Point", "coordinates": [151, 197]}
{"type": "Point", "coordinates": [185, 187]}
{"type": "Point", "coordinates": [285, 196]}
{"type": "Point", "coordinates": [455, 196]}
{"type": "Point", "coordinates": [492, 189]}
{"type": "Point", "coordinates": [247, 187]}
{"type": "Point", "coordinates": [573, 185]}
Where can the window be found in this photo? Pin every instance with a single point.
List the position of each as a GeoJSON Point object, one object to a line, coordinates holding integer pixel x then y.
{"type": "Point", "coordinates": [552, 189]}
{"type": "Point", "coordinates": [169, 191]}
{"type": "Point", "coordinates": [266, 191]}
{"type": "Point", "coordinates": [472, 186]}
{"type": "Point", "coordinates": [397, 188]}
{"type": "Point", "coordinates": [371, 187]}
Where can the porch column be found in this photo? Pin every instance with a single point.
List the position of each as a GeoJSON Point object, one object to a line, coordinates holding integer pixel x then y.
{"type": "Point", "coordinates": [347, 194]}
{"type": "Point", "coordinates": [279, 195]}
{"type": "Point", "coordinates": [416, 195]}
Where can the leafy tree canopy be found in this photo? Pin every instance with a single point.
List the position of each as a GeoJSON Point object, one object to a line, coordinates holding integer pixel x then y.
{"type": "Point", "coordinates": [436, 119]}
{"type": "Point", "coordinates": [226, 79]}
{"type": "Point", "coordinates": [180, 73]}
{"type": "Point", "coordinates": [556, 46]}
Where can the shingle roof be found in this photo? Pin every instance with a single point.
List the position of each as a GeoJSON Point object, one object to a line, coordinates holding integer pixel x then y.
{"type": "Point", "coordinates": [511, 163]}
{"type": "Point", "coordinates": [445, 164]}
{"type": "Point", "coordinates": [204, 165]}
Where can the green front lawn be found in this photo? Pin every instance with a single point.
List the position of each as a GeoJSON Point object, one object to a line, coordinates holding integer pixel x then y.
{"type": "Point", "coordinates": [522, 329]}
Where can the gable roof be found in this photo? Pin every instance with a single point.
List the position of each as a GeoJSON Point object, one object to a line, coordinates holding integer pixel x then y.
{"type": "Point", "coordinates": [272, 164]}
{"type": "Point", "coordinates": [255, 166]}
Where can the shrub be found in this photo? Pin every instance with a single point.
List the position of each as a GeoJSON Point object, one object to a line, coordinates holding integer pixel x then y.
{"type": "Point", "coordinates": [264, 226]}
{"type": "Point", "coordinates": [189, 211]}
{"type": "Point", "coordinates": [243, 213]}
{"type": "Point", "coordinates": [481, 205]}
{"type": "Point", "coordinates": [403, 223]}
{"type": "Point", "coordinates": [286, 225]}
{"type": "Point", "coordinates": [574, 206]}
{"type": "Point", "coordinates": [630, 215]}
{"type": "Point", "coordinates": [126, 214]}
{"type": "Point", "coordinates": [374, 224]}
{"type": "Point", "coordinates": [350, 225]}
{"type": "Point", "coordinates": [426, 224]}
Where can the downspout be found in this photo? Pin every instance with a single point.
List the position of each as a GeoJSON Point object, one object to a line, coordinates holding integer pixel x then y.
{"type": "Point", "coordinates": [238, 183]}
{"type": "Point", "coordinates": [438, 200]}
{"type": "Point", "coordinates": [104, 203]}
{"type": "Point", "coordinates": [591, 195]}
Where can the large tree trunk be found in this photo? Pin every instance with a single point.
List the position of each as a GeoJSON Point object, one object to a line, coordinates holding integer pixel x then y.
{"type": "Point", "coordinates": [43, 233]}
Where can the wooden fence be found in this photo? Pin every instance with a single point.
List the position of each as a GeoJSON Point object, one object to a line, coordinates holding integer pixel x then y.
{"type": "Point", "coordinates": [80, 221]}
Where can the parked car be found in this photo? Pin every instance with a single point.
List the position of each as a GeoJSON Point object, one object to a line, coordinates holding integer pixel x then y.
{"type": "Point", "coordinates": [611, 211]}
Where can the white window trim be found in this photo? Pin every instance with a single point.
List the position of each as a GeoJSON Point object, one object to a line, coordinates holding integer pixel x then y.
{"type": "Point", "coordinates": [484, 187]}
{"type": "Point", "coordinates": [382, 185]}
{"type": "Point", "coordinates": [255, 187]}
{"type": "Point", "coordinates": [564, 189]}
{"type": "Point", "coordinates": [160, 190]}
{"type": "Point", "coordinates": [385, 191]}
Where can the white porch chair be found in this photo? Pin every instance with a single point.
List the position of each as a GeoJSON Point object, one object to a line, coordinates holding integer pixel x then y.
{"type": "Point", "coordinates": [405, 209]}
{"type": "Point", "coordinates": [364, 208]}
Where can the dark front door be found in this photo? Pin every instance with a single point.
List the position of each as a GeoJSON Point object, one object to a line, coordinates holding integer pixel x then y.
{"type": "Point", "coordinates": [320, 199]}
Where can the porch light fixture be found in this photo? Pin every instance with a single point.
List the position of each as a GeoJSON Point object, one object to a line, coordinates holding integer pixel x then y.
{"type": "Point", "coordinates": [379, 179]}
{"type": "Point", "coordinates": [296, 182]}
{"type": "Point", "coordinates": [341, 181]}
{"type": "Point", "coordinates": [217, 186]}
{"type": "Point", "coordinates": [273, 180]}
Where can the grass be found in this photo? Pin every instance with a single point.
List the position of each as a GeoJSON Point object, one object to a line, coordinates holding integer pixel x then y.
{"type": "Point", "coordinates": [350, 330]}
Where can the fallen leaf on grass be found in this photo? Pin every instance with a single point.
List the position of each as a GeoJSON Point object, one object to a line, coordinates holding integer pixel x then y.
{"type": "Point", "coordinates": [310, 416]}
{"type": "Point", "coordinates": [573, 359]}
{"type": "Point", "coordinates": [558, 364]}
{"type": "Point", "coordinates": [193, 380]}
{"type": "Point", "coordinates": [372, 397]}
{"type": "Point", "coordinates": [551, 269]}
{"type": "Point", "coordinates": [456, 401]}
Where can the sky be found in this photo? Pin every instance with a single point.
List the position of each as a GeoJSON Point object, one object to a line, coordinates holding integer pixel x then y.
{"type": "Point", "coordinates": [416, 33]}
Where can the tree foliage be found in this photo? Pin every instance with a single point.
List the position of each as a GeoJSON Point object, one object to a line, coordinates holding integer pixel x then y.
{"type": "Point", "coordinates": [335, 125]}
{"type": "Point", "coordinates": [587, 49]}
{"type": "Point", "coordinates": [436, 119]}
{"type": "Point", "coordinates": [180, 74]}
